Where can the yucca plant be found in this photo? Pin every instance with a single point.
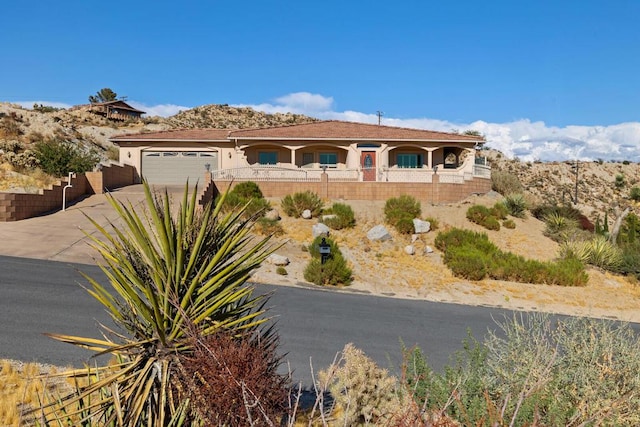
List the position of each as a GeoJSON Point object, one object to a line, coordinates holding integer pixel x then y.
{"type": "Point", "coordinates": [598, 252]}
{"type": "Point", "coordinates": [168, 276]}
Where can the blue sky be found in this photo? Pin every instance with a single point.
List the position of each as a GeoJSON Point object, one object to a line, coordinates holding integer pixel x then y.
{"type": "Point", "coordinates": [543, 79]}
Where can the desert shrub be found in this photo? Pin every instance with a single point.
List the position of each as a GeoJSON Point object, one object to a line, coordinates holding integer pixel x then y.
{"type": "Point", "coordinates": [233, 380]}
{"type": "Point", "coordinates": [268, 227]}
{"type": "Point", "coordinates": [597, 251]}
{"type": "Point", "coordinates": [365, 393]}
{"type": "Point", "coordinates": [505, 183]}
{"type": "Point", "coordinates": [620, 181]}
{"type": "Point", "coordinates": [559, 227]}
{"type": "Point", "coordinates": [405, 226]}
{"type": "Point", "coordinates": [535, 370]}
{"type": "Point", "coordinates": [500, 211]}
{"type": "Point", "coordinates": [509, 223]}
{"type": "Point", "coordinates": [344, 217]}
{"type": "Point", "coordinates": [281, 271]}
{"type": "Point", "coordinates": [248, 193]}
{"type": "Point", "coordinates": [542, 211]}
{"type": "Point", "coordinates": [401, 210]}
{"type": "Point", "coordinates": [630, 261]}
{"type": "Point", "coordinates": [483, 216]}
{"type": "Point", "coordinates": [294, 205]}
{"type": "Point", "coordinates": [467, 262]}
{"type": "Point", "coordinates": [248, 190]}
{"type": "Point", "coordinates": [335, 271]}
{"type": "Point", "coordinates": [473, 257]}
{"type": "Point", "coordinates": [634, 194]}
{"type": "Point", "coordinates": [516, 205]}
{"type": "Point", "coordinates": [57, 157]}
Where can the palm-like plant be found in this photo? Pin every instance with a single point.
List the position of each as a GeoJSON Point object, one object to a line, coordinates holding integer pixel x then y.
{"type": "Point", "coordinates": [169, 275]}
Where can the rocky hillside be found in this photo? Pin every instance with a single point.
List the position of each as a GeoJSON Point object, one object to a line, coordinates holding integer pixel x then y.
{"type": "Point", "coordinates": [602, 186]}
{"type": "Point", "coordinates": [227, 117]}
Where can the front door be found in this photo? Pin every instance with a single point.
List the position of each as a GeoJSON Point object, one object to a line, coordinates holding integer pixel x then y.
{"type": "Point", "coordinates": [368, 164]}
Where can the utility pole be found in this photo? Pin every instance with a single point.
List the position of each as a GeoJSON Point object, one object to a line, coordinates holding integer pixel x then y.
{"type": "Point", "coordinates": [576, 170]}
{"type": "Point", "coordinates": [379, 114]}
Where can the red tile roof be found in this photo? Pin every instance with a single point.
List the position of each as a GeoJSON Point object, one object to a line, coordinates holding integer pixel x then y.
{"type": "Point", "coordinates": [325, 130]}
{"type": "Point", "coordinates": [334, 129]}
{"type": "Point", "coordinates": [177, 135]}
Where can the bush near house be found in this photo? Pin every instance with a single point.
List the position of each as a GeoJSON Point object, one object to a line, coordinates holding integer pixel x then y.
{"type": "Point", "coordinates": [294, 205]}
{"type": "Point", "coordinates": [344, 217]}
{"type": "Point", "coordinates": [58, 157]}
{"type": "Point", "coordinates": [246, 193]}
{"type": "Point", "coordinates": [400, 211]}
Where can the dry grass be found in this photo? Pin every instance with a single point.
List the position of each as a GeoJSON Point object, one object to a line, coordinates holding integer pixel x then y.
{"type": "Point", "coordinates": [29, 181]}
{"type": "Point", "coordinates": [23, 386]}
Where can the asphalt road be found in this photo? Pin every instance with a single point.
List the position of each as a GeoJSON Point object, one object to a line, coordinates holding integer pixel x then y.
{"type": "Point", "coordinates": [39, 296]}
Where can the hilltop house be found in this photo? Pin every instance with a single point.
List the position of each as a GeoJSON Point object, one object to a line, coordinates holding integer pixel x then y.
{"type": "Point", "coordinates": [115, 110]}
{"type": "Point", "coordinates": [335, 158]}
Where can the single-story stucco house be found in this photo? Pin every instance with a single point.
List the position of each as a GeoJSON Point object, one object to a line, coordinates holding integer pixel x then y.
{"type": "Point", "coordinates": [369, 161]}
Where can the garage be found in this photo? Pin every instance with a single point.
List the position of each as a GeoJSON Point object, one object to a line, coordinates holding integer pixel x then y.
{"type": "Point", "coordinates": [176, 167]}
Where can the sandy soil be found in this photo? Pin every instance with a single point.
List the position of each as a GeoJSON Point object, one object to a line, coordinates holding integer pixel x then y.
{"type": "Point", "coordinates": [385, 269]}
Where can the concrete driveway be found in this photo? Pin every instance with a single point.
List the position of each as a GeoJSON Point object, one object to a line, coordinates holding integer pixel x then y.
{"type": "Point", "coordinates": [60, 235]}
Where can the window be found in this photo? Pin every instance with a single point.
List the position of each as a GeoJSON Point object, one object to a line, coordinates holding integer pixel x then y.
{"type": "Point", "coordinates": [267, 157]}
{"type": "Point", "coordinates": [328, 159]}
{"type": "Point", "coordinates": [409, 160]}
{"type": "Point", "coordinates": [307, 160]}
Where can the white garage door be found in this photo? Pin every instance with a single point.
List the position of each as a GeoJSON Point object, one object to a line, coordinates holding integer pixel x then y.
{"type": "Point", "coordinates": [175, 167]}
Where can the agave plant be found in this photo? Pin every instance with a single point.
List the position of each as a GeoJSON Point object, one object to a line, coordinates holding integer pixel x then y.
{"type": "Point", "coordinates": [169, 275]}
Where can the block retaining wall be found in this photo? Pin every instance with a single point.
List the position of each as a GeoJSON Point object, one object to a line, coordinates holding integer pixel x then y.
{"type": "Point", "coordinates": [18, 206]}
{"type": "Point", "coordinates": [425, 192]}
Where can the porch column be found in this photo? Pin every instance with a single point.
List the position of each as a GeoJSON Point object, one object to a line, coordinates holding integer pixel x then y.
{"type": "Point", "coordinates": [293, 155]}
{"type": "Point", "coordinates": [430, 159]}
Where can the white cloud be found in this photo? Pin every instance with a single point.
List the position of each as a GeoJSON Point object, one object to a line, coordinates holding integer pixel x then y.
{"type": "Point", "coordinates": [522, 138]}
{"type": "Point", "coordinates": [162, 110]}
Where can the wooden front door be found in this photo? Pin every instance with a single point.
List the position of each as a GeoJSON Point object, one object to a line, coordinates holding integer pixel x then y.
{"type": "Point", "coordinates": [368, 164]}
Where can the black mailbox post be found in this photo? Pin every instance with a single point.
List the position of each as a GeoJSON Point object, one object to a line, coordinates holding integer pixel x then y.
{"type": "Point", "coordinates": [325, 251]}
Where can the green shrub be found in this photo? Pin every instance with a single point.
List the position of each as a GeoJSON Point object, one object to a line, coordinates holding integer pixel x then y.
{"type": "Point", "coordinates": [335, 270]}
{"type": "Point", "coordinates": [58, 158]}
{"type": "Point", "coordinates": [619, 182]}
{"type": "Point", "coordinates": [509, 223]}
{"type": "Point", "coordinates": [294, 205]}
{"type": "Point", "coordinates": [598, 252]}
{"type": "Point", "coordinates": [558, 227]}
{"type": "Point", "coordinates": [344, 217]}
{"type": "Point", "coordinates": [472, 256]}
{"type": "Point", "coordinates": [516, 205]}
{"type": "Point", "coordinates": [401, 210]}
{"type": "Point", "coordinates": [499, 210]}
{"type": "Point", "coordinates": [483, 216]}
{"type": "Point", "coordinates": [505, 183]}
{"type": "Point", "coordinates": [281, 271]}
{"type": "Point", "coordinates": [634, 194]}
{"type": "Point", "coordinates": [248, 190]}
{"type": "Point", "coordinates": [269, 227]}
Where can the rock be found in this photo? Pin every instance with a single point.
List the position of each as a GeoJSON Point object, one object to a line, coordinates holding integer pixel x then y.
{"type": "Point", "coordinates": [319, 229]}
{"type": "Point", "coordinates": [414, 237]}
{"type": "Point", "coordinates": [378, 233]}
{"type": "Point", "coordinates": [326, 217]}
{"type": "Point", "coordinates": [421, 226]}
{"type": "Point", "coordinates": [278, 260]}
{"type": "Point", "coordinates": [272, 215]}
{"type": "Point", "coordinates": [306, 214]}
{"type": "Point", "coordinates": [410, 250]}
{"type": "Point", "coordinates": [428, 250]}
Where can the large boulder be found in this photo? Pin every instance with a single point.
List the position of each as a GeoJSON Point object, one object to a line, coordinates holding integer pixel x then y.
{"type": "Point", "coordinates": [279, 260]}
{"type": "Point", "coordinates": [319, 229]}
{"type": "Point", "coordinates": [378, 234]}
{"type": "Point", "coordinates": [421, 226]}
